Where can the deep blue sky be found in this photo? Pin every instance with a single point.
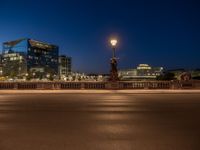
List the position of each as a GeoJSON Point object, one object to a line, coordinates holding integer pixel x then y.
{"type": "Point", "coordinates": [158, 32]}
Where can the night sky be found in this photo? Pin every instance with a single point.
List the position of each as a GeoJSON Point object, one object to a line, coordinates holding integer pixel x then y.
{"type": "Point", "coordinates": [157, 32]}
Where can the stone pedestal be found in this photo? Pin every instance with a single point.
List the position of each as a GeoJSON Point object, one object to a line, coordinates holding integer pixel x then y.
{"type": "Point", "coordinates": [113, 71]}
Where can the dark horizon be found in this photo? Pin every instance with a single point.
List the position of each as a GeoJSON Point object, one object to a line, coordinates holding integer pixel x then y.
{"type": "Point", "coordinates": [158, 33]}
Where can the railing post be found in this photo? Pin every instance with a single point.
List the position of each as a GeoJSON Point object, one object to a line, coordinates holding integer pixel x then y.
{"type": "Point", "coordinates": [53, 85]}
{"type": "Point", "coordinates": [82, 85]}
{"type": "Point", "coordinates": [146, 85]}
{"type": "Point", "coordinates": [15, 86]}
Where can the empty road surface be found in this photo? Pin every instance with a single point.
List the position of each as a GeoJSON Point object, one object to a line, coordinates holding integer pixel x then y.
{"type": "Point", "coordinates": [100, 122]}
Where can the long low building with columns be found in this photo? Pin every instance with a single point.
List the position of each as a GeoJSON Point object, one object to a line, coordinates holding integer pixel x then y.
{"type": "Point", "coordinates": [142, 72]}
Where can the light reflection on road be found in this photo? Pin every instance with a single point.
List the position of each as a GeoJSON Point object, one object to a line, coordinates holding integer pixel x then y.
{"type": "Point", "coordinates": [99, 121]}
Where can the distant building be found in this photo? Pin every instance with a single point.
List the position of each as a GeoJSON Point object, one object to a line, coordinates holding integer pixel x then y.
{"type": "Point", "coordinates": [1, 66]}
{"type": "Point", "coordinates": [143, 71]}
{"type": "Point", "coordinates": [27, 57]}
{"type": "Point", "coordinates": [65, 66]}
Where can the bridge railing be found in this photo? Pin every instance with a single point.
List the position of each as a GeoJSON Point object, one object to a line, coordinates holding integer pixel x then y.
{"type": "Point", "coordinates": [70, 85]}
{"type": "Point", "coordinates": [101, 85]}
{"type": "Point", "coordinates": [146, 85]}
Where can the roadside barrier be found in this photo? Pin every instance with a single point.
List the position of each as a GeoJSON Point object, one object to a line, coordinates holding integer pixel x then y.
{"type": "Point", "coordinates": [101, 85]}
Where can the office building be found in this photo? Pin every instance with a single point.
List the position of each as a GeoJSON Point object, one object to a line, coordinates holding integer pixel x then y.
{"type": "Point", "coordinates": [65, 65]}
{"type": "Point", "coordinates": [28, 57]}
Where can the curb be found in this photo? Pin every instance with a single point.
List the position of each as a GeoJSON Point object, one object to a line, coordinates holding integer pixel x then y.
{"type": "Point", "coordinates": [99, 92]}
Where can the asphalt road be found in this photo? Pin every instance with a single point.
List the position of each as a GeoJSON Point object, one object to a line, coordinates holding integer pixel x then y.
{"type": "Point", "coordinates": [100, 122]}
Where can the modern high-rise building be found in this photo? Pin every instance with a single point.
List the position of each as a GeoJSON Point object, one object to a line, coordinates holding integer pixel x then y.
{"type": "Point", "coordinates": [65, 65]}
{"type": "Point", "coordinates": [27, 57]}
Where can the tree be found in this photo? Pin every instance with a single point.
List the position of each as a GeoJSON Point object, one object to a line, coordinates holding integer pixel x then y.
{"type": "Point", "coordinates": [166, 76]}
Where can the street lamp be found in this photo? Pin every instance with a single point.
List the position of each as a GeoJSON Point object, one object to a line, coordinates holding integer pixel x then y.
{"type": "Point", "coordinates": [113, 43]}
{"type": "Point", "coordinates": [113, 71]}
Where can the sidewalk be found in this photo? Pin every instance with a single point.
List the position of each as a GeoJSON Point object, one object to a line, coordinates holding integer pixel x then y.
{"type": "Point", "coordinates": [99, 91]}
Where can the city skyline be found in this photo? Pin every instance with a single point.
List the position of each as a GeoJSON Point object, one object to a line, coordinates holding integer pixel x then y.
{"type": "Point", "coordinates": [157, 33]}
{"type": "Point", "coordinates": [99, 74]}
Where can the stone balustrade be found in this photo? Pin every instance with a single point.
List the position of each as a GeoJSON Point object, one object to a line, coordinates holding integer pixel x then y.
{"type": "Point", "coordinates": [100, 85]}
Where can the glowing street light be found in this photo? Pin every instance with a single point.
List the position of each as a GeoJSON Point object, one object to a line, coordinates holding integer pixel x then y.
{"type": "Point", "coordinates": [113, 42]}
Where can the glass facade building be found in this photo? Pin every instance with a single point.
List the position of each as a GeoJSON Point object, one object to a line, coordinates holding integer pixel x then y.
{"type": "Point", "coordinates": [65, 65]}
{"type": "Point", "coordinates": [27, 57]}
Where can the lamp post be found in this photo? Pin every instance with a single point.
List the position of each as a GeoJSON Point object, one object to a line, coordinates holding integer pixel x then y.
{"type": "Point", "coordinates": [113, 71]}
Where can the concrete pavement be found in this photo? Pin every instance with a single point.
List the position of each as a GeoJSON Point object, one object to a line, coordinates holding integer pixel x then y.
{"type": "Point", "coordinates": [109, 121]}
